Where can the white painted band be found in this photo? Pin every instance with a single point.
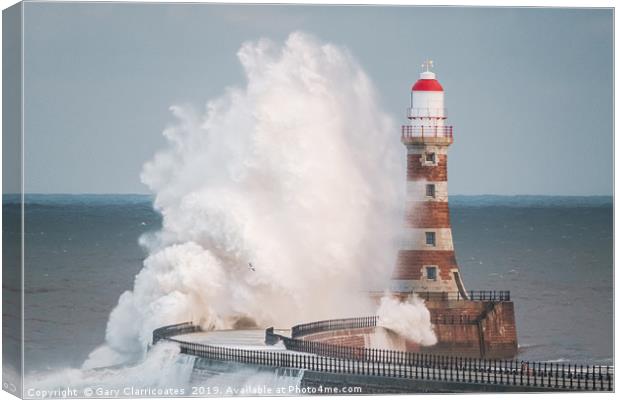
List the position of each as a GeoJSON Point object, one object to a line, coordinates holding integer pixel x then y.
{"type": "Point", "coordinates": [417, 191]}
{"type": "Point", "coordinates": [423, 149]}
{"type": "Point", "coordinates": [415, 239]}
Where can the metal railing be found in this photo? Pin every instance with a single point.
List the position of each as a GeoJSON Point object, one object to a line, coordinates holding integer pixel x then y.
{"type": "Point", "coordinates": [323, 357]}
{"type": "Point", "coordinates": [472, 295]}
{"type": "Point", "coordinates": [332, 325]}
{"type": "Point", "coordinates": [454, 320]}
{"type": "Point", "coordinates": [410, 131]}
{"type": "Point", "coordinates": [167, 332]}
{"type": "Point", "coordinates": [426, 112]}
{"type": "Point", "coordinates": [489, 295]}
{"type": "Point", "coordinates": [475, 370]}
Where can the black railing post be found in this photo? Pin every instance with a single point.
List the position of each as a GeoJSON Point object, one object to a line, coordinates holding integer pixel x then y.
{"type": "Point", "coordinates": [563, 376]}
{"type": "Point", "coordinates": [476, 367]}
{"type": "Point", "coordinates": [441, 367]}
{"type": "Point", "coordinates": [541, 375]}
{"type": "Point", "coordinates": [513, 365]}
{"type": "Point", "coordinates": [527, 370]}
{"type": "Point", "coordinates": [487, 369]}
{"type": "Point", "coordinates": [608, 379]}
{"type": "Point", "coordinates": [597, 377]}
{"type": "Point", "coordinates": [594, 376]}
{"type": "Point", "coordinates": [452, 368]}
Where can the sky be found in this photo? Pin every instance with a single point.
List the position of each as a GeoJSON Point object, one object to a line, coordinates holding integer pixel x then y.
{"type": "Point", "coordinates": [528, 90]}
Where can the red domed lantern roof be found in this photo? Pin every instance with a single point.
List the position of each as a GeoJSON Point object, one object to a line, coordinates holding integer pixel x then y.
{"type": "Point", "coordinates": [428, 81]}
{"type": "Point", "coordinates": [427, 85]}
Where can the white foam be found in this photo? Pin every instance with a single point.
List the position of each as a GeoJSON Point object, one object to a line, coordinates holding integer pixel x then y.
{"type": "Point", "coordinates": [410, 319]}
{"type": "Point", "coordinates": [300, 172]}
{"type": "Point", "coordinates": [162, 367]}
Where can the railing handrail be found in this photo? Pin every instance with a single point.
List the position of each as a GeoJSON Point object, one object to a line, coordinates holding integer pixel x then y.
{"type": "Point", "coordinates": [472, 295]}
{"type": "Point", "coordinates": [168, 331]}
{"type": "Point", "coordinates": [333, 324]}
{"type": "Point", "coordinates": [326, 357]}
{"type": "Point", "coordinates": [410, 131]}
{"type": "Point", "coordinates": [427, 112]}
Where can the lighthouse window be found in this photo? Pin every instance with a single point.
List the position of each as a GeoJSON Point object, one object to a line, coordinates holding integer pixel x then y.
{"type": "Point", "coordinates": [431, 273]}
{"type": "Point", "coordinates": [430, 190]}
{"type": "Point", "coordinates": [430, 157]}
{"type": "Point", "coordinates": [430, 238]}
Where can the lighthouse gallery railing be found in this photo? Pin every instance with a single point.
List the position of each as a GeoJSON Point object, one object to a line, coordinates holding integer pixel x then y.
{"type": "Point", "coordinates": [409, 131]}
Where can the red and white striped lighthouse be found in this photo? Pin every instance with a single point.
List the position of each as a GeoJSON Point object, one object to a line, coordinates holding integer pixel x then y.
{"type": "Point", "coordinates": [426, 262]}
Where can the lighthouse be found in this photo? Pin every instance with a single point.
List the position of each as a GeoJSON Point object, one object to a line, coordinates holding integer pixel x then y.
{"type": "Point", "coordinates": [426, 262]}
{"type": "Point", "coordinates": [466, 323]}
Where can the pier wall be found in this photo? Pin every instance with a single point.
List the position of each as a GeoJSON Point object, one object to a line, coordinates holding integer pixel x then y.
{"type": "Point", "coordinates": [488, 329]}
{"type": "Point", "coordinates": [479, 329]}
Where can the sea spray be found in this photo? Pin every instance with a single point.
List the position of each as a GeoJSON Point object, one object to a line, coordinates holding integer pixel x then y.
{"type": "Point", "coordinates": [162, 372]}
{"type": "Point", "coordinates": [410, 319]}
{"type": "Point", "coordinates": [279, 203]}
{"type": "Point", "coordinates": [248, 380]}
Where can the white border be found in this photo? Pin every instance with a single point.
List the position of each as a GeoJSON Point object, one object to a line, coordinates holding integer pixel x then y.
{"type": "Point", "coordinates": [506, 3]}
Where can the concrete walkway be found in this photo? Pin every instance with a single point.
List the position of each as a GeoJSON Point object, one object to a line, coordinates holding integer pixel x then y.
{"type": "Point", "coordinates": [251, 339]}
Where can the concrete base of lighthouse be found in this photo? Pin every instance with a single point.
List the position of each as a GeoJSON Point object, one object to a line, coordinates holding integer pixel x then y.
{"type": "Point", "coordinates": [470, 328]}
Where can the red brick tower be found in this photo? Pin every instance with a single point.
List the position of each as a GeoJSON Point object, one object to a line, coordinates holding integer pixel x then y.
{"type": "Point", "coordinates": [426, 262]}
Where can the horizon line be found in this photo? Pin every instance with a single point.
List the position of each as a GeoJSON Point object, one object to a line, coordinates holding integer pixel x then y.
{"type": "Point", "coordinates": [152, 194]}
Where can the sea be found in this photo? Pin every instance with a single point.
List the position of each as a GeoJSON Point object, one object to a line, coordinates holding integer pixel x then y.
{"type": "Point", "coordinates": [554, 254]}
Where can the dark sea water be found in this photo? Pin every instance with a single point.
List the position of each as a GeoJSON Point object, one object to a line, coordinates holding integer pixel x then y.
{"type": "Point", "coordinates": [555, 255]}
